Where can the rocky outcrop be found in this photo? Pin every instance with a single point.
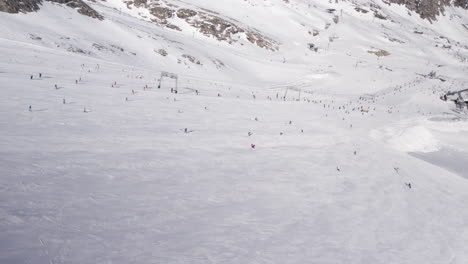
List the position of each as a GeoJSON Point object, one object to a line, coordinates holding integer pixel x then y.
{"type": "Point", "coordinates": [13, 6]}
{"type": "Point", "coordinates": [210, 24]}
{"type": "Point", "coordinates": [461, 3]}
{"type": "Point", "coordinates": [429, 9]}
{"type": "Point", "coordinates": [25, 6]}
{"type": "Point", "coordinates": [81, 7]}
{"type": "Point", "coordinates": [205, 21]}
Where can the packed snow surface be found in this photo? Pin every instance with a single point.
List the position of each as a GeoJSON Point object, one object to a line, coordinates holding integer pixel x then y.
{"type": "Point", "coordinates": [288, 156]}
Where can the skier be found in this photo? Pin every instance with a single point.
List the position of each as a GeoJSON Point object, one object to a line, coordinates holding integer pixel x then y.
{"type": "Point", "coordinates": [56, 87]}
{"type": "Point", "coordinates": [32, 77]}
{"type": "Point", "coordinates": [196, 91]}
{"type": "Point", "coordinates": [159, 86]}
{"type": "Point", "coordinates": [172, 90]}
{"type": "Point", "coordinates": [219, 95]}
{"type": "Point", "coordinates": [63, 101]}
{"type": "Point", "coordinates": [185, 130]}
{"type": "Point", "coordinates": [252, 146]}
{"type": "Point", "coordinates": [84, 110]}
{"type": "Point", "coordinates": [30, 108]}
{"type": "Point", "coordinates": [133, 92]}
{"type": "Point", "coordinates": [250, 134]}
{"type": "Point", "coordinates": [126, 99]}
{"type": "Point", "coordinates": [40, 75]}
{"type": "Point", "coordinates": [76, 81]}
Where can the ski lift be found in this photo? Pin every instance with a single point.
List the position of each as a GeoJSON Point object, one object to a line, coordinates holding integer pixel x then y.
{"type": "Point", "coordinates": [460, 98]}
{"type": "Point", "coordinates": [170, 76]}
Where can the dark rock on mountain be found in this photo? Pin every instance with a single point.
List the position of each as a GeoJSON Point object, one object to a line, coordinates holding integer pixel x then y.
{"type": "Point", "coordinates": [13, 6]}
{"type": "Point", "coordinates": [81, 7]}
{"type": "Point", "coordinates": [430, 9]}
{"type": "Point", "coordinates": [25, 6]}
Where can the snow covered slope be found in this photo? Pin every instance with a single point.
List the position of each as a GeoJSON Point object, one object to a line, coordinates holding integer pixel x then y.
{"type": "Point", "coordinates": [356, 159]}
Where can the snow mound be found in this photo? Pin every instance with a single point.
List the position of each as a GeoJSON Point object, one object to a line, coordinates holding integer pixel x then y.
{"type": "Point", "coordinates": [408, 139]}
{"type": "Point", "coordinates": [449, 126]}
{"type": "Point", "coordinates": [414, 139]}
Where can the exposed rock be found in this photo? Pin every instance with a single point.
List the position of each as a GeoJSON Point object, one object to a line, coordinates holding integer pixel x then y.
{"type": "Point", "coordinates": [111, 48]}
{"type": "Point", "coordinates": [215, 26]}
{"type": "Point", "coordinates": [99, 47]}
{"type": "Point", "coordinates": [171, 26]}
{"type": "Point", "coordinates": [25, 6]}
{"type": "Point", "coordinates": [379, 53]}
{"type": "Point", "coordinates": [139, 3]}
{"type": "Point", "coordinates": [192, 59]}
{"type": "Point", "coordinates": [161, 52]}
{"type": "Point", "coordinates": [186, 13]}
{"type": "Point", "coordinates": [207, 22]}
{"type": "Point", "coordinates": [219, 64]}
{"type": "Point", "coordinates": [461, 3]}
{"type": "Point", "coordinates": [81, 7]}
{"type": "Point", "coordinates": [75, 49]}
{"type": "Point", "coordinates": [162, 13]}
{"type": "Point", "coordinates": [34, 37]}
{"type": "Point", "coordinates": [361, 10]}
{"type": "Point", "coordinates": [379, 15]}
{"type": "Point", "coordinates": [117, 48]}
{"type": "Point", "coordinates": [429, 9]}
{"type": "Point", "coordinates": [14, 6]}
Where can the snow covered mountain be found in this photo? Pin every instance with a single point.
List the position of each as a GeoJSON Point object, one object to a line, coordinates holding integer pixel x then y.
{"type": "Point", "coordinates": [297, 131]}
{"type": "Point", "coordinates": [242, 39]}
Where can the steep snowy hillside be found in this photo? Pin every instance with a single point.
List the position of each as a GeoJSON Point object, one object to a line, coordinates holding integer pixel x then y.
{"type": "Point", "coordinates": [296, 131]}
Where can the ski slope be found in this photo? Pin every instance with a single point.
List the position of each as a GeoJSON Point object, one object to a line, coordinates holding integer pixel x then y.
{"type": "Point", "coordinates": [101, 170]}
